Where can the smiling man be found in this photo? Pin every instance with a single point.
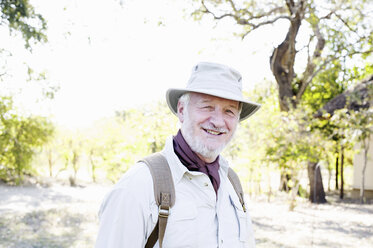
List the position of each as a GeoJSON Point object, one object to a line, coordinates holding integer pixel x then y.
{"type": "Point", "coordinates": [207, 211]}
{"type": "Point", "coordinates": [208, 123]}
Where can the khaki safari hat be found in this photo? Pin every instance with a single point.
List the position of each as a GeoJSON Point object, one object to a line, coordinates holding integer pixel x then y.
{"type": "Point", "coordinates": [216, 80]}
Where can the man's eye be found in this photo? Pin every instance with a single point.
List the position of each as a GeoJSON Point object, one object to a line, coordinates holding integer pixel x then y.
{"type": "Point", "coordinates": [231, 112]}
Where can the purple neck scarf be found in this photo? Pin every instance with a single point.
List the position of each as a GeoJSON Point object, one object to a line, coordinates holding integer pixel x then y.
{"type": "Point", "coordinates": [193, 163]}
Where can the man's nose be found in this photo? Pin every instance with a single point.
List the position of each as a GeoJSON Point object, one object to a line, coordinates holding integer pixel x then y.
{"type": "Point", "coordinates": [217, 118]}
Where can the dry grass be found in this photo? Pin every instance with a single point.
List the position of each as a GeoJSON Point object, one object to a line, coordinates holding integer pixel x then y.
{"type": "Point", "coordinates": [58, 216]}
{"type": "Point", "coordinates": [335, 224]}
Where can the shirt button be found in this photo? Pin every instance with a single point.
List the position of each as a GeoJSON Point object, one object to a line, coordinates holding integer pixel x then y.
{"type": "Point", "coordinates": [206, 184]}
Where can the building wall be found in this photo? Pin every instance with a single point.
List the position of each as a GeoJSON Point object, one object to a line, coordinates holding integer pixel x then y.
{"type": "Point", "coordinates": [358, 166]}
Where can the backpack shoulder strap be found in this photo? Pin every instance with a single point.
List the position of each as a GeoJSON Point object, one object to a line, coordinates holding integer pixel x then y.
{"type": "Point", "coordinates": [164, 194]}
{"type": "Point", "coordinates": [235, 181]}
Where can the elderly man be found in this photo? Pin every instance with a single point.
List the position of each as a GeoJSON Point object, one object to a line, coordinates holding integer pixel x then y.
{"type": "Point", "coordinates": [207, 211]}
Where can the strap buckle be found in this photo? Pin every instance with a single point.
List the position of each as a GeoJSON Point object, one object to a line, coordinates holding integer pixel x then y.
{"type": "Point", "coordinates": [244, 207]}
{"type": "Point", "coordinates": [163, 211]}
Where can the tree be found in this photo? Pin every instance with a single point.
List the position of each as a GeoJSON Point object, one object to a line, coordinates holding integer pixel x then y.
{"type": "Point", "coordinates": [71, 147]}
{"type": "Point", "coordinates": [293, 145]}
{"type": "Point", "coordinates": [317, 193]}
{"type": "Point", "coordinates": [352, 113]}
{"type": "Point", "coordinates": [51, 154]}
{"type": "Point", "coordinates": [19, 138]}
{"type": "Point", "coordinates": [356, 98]}
{"type": "Point", "coordinates": [105, 149]}
{"type": "Point", "coordinates": [324, 87]}
{"type": "Point", "coordinates": [21, 135]}
{"type": "Point", "coordinates": [20, 16]}
{"type": "Point", "coordinates": [114, 144]}
{"type": "Point", "coordinates": [333, 32]}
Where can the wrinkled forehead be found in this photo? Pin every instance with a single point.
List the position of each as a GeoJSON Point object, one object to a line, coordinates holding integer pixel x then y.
{"type": "Point", "coordinates": [204, 98]}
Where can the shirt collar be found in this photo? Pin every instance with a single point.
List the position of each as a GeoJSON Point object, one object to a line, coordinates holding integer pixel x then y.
{"type": "Point", "coordinates": [224, 165]}
{"type": "Point", "coordinates": [177, 168]}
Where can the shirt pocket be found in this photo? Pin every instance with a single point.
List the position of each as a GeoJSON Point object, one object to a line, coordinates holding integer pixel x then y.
{"type": "Point", "coordinates": [181, 226]}
{"type": "Point", "coordinates": [242, 219]}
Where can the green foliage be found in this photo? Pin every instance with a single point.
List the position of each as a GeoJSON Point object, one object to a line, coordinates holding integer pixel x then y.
{"type": "Point", "coordinates": [142, 132]}
{"type": "Point", "coordinates": [293, 141]}
{"type": "Point", "coordinates": [325, 86]}
{"type": "Point", "coordinates": [112, 145]}
{"type": "Point", "coordinates": [273, 141]}
{"type": "Point", "coordinates": [358, 73]}
{"type": "Point", "coordinates": [19, 138]}
{"type": "Point", "coordinates": [247, 149]}
{"type": "Point", "coordinates": [329, 83]}
{"type": "Point", "coordinates": [355, 125]}
{"type": "Point", "coordinates": [20, 16]}
{"type": "Point", "coordinates": [48, 89]}
{"type": "Point", "coordinates": [107, 148]}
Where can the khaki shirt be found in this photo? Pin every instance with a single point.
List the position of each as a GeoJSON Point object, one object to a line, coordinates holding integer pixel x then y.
{"type": "Point", "coordinates": [129, 212]}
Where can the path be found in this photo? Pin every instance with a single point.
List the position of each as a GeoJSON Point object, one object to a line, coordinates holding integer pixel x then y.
{"type": "Point", "coordinates": [62, 217]}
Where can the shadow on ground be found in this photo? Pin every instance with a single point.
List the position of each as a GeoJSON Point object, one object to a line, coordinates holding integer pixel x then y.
{"type": "Point", "coordinates": [51, 228]}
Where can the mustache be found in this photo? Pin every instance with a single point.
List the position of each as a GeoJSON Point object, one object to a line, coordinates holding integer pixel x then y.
{"type": "Point", "coordinates": [215, 129]}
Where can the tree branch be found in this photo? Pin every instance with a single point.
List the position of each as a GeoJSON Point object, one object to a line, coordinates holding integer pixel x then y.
{"type": "Point", "coordinates": [233, 5]}
{"type": "Point", "coordinates": [255, 26]}
{"type": "Point", "coordinates": [276, 9]}
{"type": "Point", "coordinates": [207, 11]}
{"type": "Point", "coordinates": [327, 16]}
{"type": "Point", "coordinates": [308, 73]}
{"type": "Point", "coordinates": [246, 21]}
{"type": "Point", "coordinates": [290, 5]}
{"type": "Point", "coordinates": [333, 58]}
{"type": "Point", "coordinates": [345, 23]}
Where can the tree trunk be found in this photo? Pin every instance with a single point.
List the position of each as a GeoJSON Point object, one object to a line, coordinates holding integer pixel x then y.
{"type": "Point", "coordinates": [269, 184]}
{"type": "Point", "coordinates": [285, 178]}
{"type": "Point", "coordinates": [50, 162]}
{"type": "Point", "coordinates": [93, 166]}
{"type": "Point", "coordinates": [362, 188]}
{"type": "Point", "coordinates": [341, 193]}
{"type": "Point", "coordinates": [329, 178]}
{"type": "Point", "coordinates": [336, 171]}
{"type": "Point", "coordinates": [75, 168]}
{"type": "Point", "coordinates": [317, 193]}
{"type": "Point", "coordinates": [282, 62]}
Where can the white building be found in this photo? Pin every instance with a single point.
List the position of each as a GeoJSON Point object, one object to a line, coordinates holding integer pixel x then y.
{"type": "Point", "coordinates": [358, 166]}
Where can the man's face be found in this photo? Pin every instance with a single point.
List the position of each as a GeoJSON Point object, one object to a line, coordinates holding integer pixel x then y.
{"type": "Point", "coordinates": [208, 123]}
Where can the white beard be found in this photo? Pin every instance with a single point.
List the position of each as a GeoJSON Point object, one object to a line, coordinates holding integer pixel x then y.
{"type": "Point", "coordinates": [196, 144]}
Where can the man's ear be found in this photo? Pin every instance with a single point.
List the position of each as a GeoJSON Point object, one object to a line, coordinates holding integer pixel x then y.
{"type": "Point", "coordinates": [180, 111]}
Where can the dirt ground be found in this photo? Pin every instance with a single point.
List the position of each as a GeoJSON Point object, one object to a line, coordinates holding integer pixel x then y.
{"type": "Point", "coordinates": [62, 216]}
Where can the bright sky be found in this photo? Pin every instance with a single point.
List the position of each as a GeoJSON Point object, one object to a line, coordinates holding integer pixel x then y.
{"type": "Point", "coordinates": [105, 57]}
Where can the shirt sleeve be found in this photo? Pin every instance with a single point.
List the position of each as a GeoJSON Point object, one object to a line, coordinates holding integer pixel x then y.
{"type": "Point", "coordinates": [125, 216]}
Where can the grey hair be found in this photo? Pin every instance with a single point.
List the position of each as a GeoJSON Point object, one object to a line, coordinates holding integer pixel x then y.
{"type": "Point", "coordinates": [185, 98]}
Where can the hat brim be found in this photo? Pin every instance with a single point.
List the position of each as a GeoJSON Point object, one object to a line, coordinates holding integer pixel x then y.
{"type": "Point", "coordinates": [248, 107]}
